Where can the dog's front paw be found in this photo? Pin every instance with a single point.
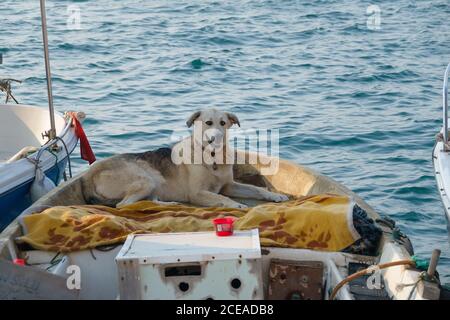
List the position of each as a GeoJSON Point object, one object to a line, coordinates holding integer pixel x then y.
{"type": "Point", "coordinates": [277, 197]}
{"type": "Point", "coordinates": [166, 203]}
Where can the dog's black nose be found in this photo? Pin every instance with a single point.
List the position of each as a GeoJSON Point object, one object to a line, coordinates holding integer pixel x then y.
{"type": "Point", "coordinates": [211, 140]}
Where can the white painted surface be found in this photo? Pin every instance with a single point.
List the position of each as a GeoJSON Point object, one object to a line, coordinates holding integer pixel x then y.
{"type": "Point", "coordinates": [441, 162]}
{"type": "Point", "coordinates": [21, 126]}
{"type": "Point", "coordinates": [334, 277]}
{"type": "Point", "coordinates": [399, 280]}
{"type": "Point", "coordinates": [191, 247]}
{"type": "Point", "coordinates": [219, 260]}
{"type": "Point", "coordinates": [98, 271]}
{"type": "Point", "coordinates": [99, 280]}
{"type": "Point", "coordinates": [213, 283]}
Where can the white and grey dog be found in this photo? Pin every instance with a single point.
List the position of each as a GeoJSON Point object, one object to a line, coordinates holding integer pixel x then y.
{"type": "Point", "coordinates": [127, 178]}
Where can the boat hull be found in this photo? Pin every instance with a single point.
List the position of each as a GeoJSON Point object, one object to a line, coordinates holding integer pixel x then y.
{"type": "Point", "coordinates": [15, 200]}
{"type": "Point", "coordinates": [441, 165]}
{"type": "Point", "coordinates": [22, 126]}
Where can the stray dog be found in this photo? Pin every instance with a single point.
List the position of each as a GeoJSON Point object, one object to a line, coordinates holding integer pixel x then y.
{"type": "Point", "coordinates": [153, 175]}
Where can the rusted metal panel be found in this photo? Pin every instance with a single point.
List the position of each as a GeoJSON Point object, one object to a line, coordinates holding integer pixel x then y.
{"type": "Point", "coordinates": [295, 280]}
{"type": "Point", "coordinates": [129, 279]}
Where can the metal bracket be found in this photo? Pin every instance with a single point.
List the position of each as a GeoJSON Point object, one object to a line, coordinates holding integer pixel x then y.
{"type": "Point", "coordinates": [49, 134]}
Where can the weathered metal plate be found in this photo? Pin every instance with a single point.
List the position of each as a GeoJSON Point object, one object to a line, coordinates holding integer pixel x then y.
{"type": "Point", "coordinates": [129, 279]}
{"type": "Point", "coordinates": [26, 283]}
{"type": "Point", "coordinates": [295, 280]}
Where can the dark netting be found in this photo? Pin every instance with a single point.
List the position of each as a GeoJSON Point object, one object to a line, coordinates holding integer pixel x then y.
{"type": "Point", "coordinates": [368, 230]}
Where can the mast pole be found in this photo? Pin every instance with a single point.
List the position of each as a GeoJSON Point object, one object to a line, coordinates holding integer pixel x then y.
{"type": "Point", "coordinates": [52, 132]}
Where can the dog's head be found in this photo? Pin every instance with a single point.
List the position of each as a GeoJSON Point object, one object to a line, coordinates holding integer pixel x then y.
{"type": "Point", "coordinates": [213, 126]}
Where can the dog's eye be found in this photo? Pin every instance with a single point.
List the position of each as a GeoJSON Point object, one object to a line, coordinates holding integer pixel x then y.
{"type": "Point", "coordinates": [222, 123]}
{"type": "Point", "coordinates": [209, 122]}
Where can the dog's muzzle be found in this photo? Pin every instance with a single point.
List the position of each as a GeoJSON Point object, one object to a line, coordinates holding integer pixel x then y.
{"type": "Point", "coordinates": [214, 138]}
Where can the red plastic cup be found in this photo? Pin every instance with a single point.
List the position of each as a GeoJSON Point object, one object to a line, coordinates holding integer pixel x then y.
{"type": "Point", "coordinates": [223, 226]}
{"type": "Point", "coordinates": [19, 262]}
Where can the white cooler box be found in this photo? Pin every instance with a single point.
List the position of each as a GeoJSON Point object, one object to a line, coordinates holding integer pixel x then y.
{"type": "Point", "coordinates": [196, 265]}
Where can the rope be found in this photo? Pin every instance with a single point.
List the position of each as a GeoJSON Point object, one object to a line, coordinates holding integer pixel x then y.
{"type": "Point", "coordinates": [46, 147]}
{"type": "Point", "coordinates": [368, 271]}
{"type": "Point", "coordinates": [69, 164]}
{"type": "Point", "coordinates": [36, 161]}
{"type": "Point", "coordinates": [422, 276]}
{"type": "Point", "coordinates": [5, 86]}
{"type": "Point", "coordinates": [56, 160]}
{"type": "Point", "coordinates": [92, 254]}
{"type": "Point", "coordinates": [54, 261]}
{"type": "Point", "coordinates": [106, 247]}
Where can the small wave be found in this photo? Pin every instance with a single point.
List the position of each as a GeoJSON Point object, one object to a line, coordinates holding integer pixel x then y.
{"type": "Point", "coordinates": [223, 40]}
{"type": "Point", "coordinates": [385, 76]}
{"type": "Point", "coordinates": [198, 63]}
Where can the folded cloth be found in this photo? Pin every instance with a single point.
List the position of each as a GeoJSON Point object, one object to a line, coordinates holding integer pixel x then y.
{"type": "Point", "coordinates": [320, 222]}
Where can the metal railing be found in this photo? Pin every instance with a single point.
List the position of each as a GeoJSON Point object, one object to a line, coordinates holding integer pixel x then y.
{"type": "Point", "coordinates": [445, 105]}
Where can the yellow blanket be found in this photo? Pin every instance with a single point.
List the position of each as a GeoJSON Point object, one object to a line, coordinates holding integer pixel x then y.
{"type": "Point", "coordinates": [321, 222]}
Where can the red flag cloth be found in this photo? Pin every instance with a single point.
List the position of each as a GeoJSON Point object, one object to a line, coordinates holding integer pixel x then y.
{"type": "Point", "coordinates": [85, 148]}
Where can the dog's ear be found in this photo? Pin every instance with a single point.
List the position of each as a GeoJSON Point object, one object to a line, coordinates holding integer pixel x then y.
{"type": "Point", "coordinates": [192, 118]}
{"type": "Point", "coordinates": [233, 118]}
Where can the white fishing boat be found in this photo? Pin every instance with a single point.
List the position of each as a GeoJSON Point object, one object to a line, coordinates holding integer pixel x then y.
{"type": "Point", "coordinates": [441, 152]}
{"type": "Point", "coordinates": [35, 145]}
{"type": "Point", "coordinates": [175, 265]}
{"type": "Point", "coordinates": [24, 149]}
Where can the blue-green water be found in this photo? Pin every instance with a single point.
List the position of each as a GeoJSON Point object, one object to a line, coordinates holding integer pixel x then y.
{"type": "Point", "coordinates": [357, 104]}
